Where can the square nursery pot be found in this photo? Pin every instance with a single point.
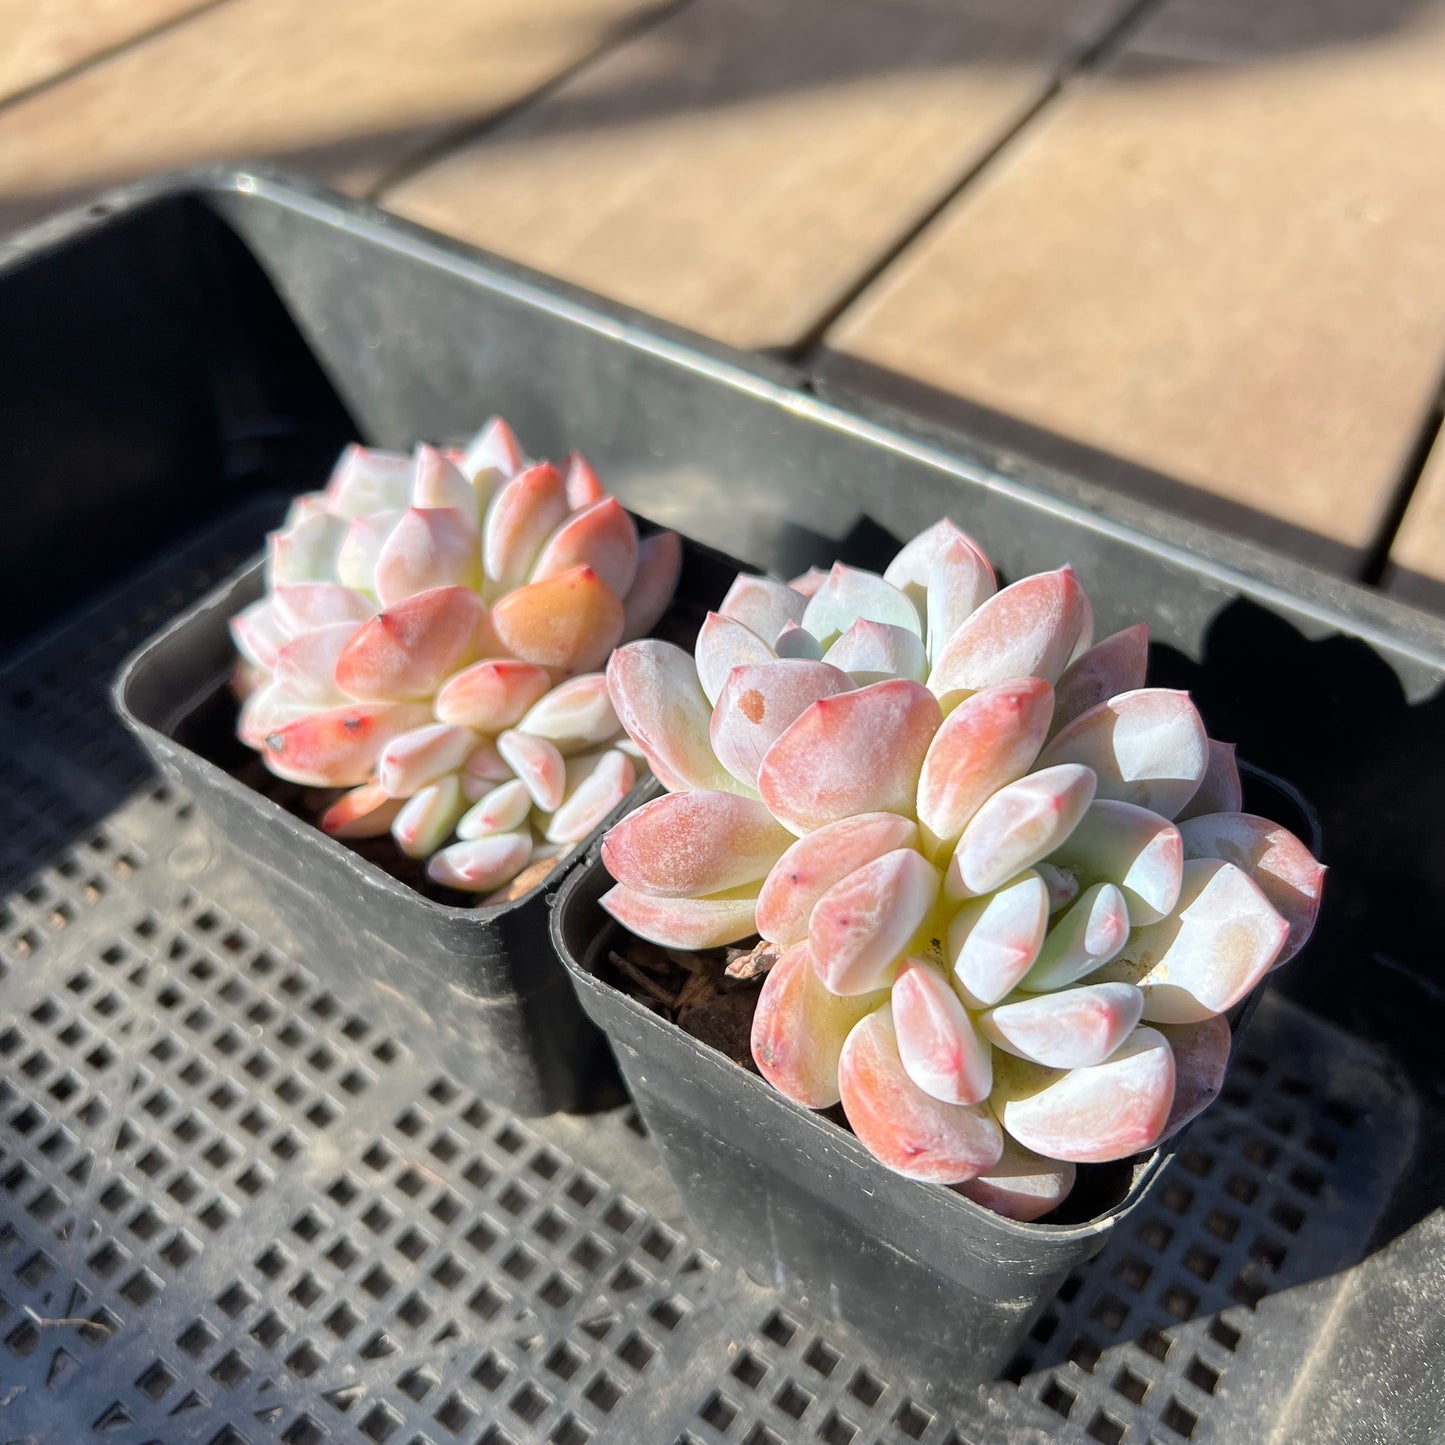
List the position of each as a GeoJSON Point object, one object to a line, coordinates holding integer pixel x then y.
{"type": "Point", "coordinates": [940, 1286]}
{"type": "Point", "coordinates": [479, 981]}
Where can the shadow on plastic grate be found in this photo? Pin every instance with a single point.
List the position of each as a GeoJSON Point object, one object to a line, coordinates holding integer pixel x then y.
{"type": "Point", "coordinates": [232, 1210]}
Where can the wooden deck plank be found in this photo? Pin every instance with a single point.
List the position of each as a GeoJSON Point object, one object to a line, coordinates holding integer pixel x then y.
{"type": "Point", "coordinates": [1416, 572]}
{"type": "Point", "coordinates": [44, 38]}
{"type": "Point", "coordinates": [344, 88]}
{"type": "Point", "coordinates": [741, 165]}
{"type": "Point", "coordinates": [1222, 261]}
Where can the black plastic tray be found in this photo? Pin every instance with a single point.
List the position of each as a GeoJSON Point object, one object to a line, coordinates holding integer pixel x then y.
{"type": "Point", "coordinates": [481, 984]}
{"type": "Point", "coordinates": [289, 1223]}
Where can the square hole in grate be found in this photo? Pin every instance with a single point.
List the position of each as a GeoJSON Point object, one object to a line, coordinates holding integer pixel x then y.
{"type": "Point", "coordinates": [418, 1384]}
{"type": "Point", "coordinates": [558, 1292]}
{"type": "Point", "coordinates": [1179, 1302]}
{"type": "Point", "coordinates": [380, 1423]}
{"type": "Point", "coordinates": [146, 1223]}
{"type": "Point", "coordinates": [912, 1420]}
{"type": "Point", "coordinates": [866, 1387]}
{"type": "Point", "coordinates": [564, 1361]}
{"type": "Point", "coordinates": [22, 1340]}
{"type": "Point", "coordinates": [342, 1254]}
{"type": "Point", "coordinates": [412, 1243]}
{"type": "Point", "coordinates": [604, 1392]}
{"type": "Point", "coordinates": [1105, 1429]}
{"type": "Point", "coordinates": [779, 1329]}
{"type": "Point", "coordinates": [822, 1357]}
{"type": "Point", "coordinates": [447, 1207]}
{"type": "Point", "coordinates": [305, 1360]}
{"type": "Point", "coordinates": [520, 1263]}
{"type": "Point", "coordinates": [343, 1320]}
{"type": "Point", "coordinates": [529, 1403]}
{"type": "Point", "coordinates": [303, 1430]}
{"type": "Point", "coordinates": [1223, 1333]}
{"type": "Point", "coordinates": [378, 1283]}
{"type": "Point", "coordinates": [1110, 1312]}
{"type": "Point", "coordinates": [231, 1370]}
{"type": "Point", "coordinates": [486, 1302]}
{"type": "Point", "coordinates": [448, 1271]}
{"type": "Point", "coordinates": [1057, 1396]}
{"type": "Point", "coordinates": [414, 1311]}
{"type": "Point", "coordinates": [793, 1400]}
{"type": "Point", "coordinates": [837, 1430]}
{"type": "Point", "coordinates": [1181, 1420]}
{"type": "Point", "coordinates": [235, 1300]}
{"type": "Point", "coordinates": [1202, 1376]}
{"type": "Point", "coordinates": [274, 1261]}
{"type": "Point", "coordinates": [307, 1290]}
{"type": "Point", "coordinates": [1085, 1354]}
{"type": "Point", "coordinates": [570, 1431]}
{"type": "Point", "coordinates": [156, 1380]}
{"type": "Point", "coordinates": [490, 1372]}
{"type": "Point", "coordinates": [1153, 1341]}
{"type": "Point", "coordinates": [637, 1351]}
{"type": "Point", "coordinates": [197, 1339]}
{"type": "Point", "coordinates": [141, 1287]}
{"type": "Point", "coordinates": [455, 1413]}
{"type": "Point", "coordinates": [446, 1146]}
{"type": "Point", "coordinates": [1131, 1386]}
{"type": "Point", "coordinates": [180, 1249]}
{"type": "Point", "coordinates": [379, 1217]}
{"type": "Point", "coordinates": [217, 1214]}
{"type": "Point", "coordinates": [36, 1270]}
{"type": "Point", "coordinates": [253, 1179]}
{"type": "Point", "coordinates": [411, 1182]}
{"type": "Point", "coordinates": [550, 1225]}
{"type": "Point", "coordinates": [269, 1329]}
{"type": "Point", "coordinates": [477, 1174]}
{"type": "Point", "coordinates": [589, 1252]}
{"type": "Point", "coordinates": [719, 1412]}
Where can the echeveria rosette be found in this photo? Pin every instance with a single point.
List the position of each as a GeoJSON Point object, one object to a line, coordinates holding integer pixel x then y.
{"type": "Point", "coordinates": [429, 640]}
{"type": "Point", "coordinates": [1009, 887]}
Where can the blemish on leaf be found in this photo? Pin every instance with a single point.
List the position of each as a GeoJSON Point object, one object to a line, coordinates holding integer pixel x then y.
{"type": "Point", "coordinates": [752, 705]}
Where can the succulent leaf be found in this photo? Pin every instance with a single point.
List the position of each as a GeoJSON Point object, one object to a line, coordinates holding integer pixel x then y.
{"type": "Point", "coordinates": [987, 741]}
{"type": "Point", "coordinates": [858, 752]}
{"type": "Point", "coordinates": [1021, 823]}
{"type": "Point", "coordinates": [493, 694]}
{"type": "Point", "coordinates": [1284, 870]}
{"type": "Point", "coordinates": [908, 1130]}
{"type": "Point", "coordinates": [1201, 960]}
{"type": "Point", "coordinates": [1221, 791]}
{"type": "Point", "coordinates": [692, 923]}
{"type": "Point", "coordinates": [1146, 747]}
{"type": "Point", "coordinates": [723, 644]}
{"type": "Point", "coordinates": [502, 809]}
{"type": "Point", "coordinates": [1089, 1115]}
{"type": "Point", "coordinates": [763, 605]}
{"type": "Point", "coordinates": [1068, 1030]}
{"type": "Point", "coordinates": [799, 1029]}
{"type": "Point", "coordinates": [601, 537]}
{"type": "Point", "coordinates": [523, 514]}
{"type": "Point", "coordinates": [423, 756]}
{"type": "Point", "coordinates": [1201, 1056]}
{"type": "Point", "coordinates": [937, 1043]}
{"type": "Point", "coordinates": [338, 747]}
{"type": "Point", "coordinates": [1117, 664]}
{"type": "Point", "coordinates": [875, 651]}
{"type": "Point", "coordinates": [759, 702]}
{"type": "Point", "coordinates": [1140, 851]}
{"type": "Point", "coordinates": [694, 843]}
{"type": "Point", "coordinates": [1030, 629]}
{"type": "Point", "coordinates": [479, 865]}
{"type": "Point", "coordinates": [1085, 938]}
{"type": "Point", "coordinates": [1022, 1185]}
{"type": "Point", "coordinates": [659, 565]}
{"type": "Point", "coordinates": [993, 941]}
{"type": "Point", "coordinates": [864, 924]}
{"type": "Point", "coordinates": [405, 652]}
{"type": "Point", "coordinates": [430, 547]}
{"type": "Point", "coordinates": [659, 701]}
{"type": "Point", "coordinates": [596, 783]}
{"type": "Point", "coordinates": [849, 594]}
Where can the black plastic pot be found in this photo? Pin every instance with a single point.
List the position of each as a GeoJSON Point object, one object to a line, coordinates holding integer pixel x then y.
{"type": "Point", "coordinates": [932, 1280]}
{"type": "Point", "coordinates": [481, 983]}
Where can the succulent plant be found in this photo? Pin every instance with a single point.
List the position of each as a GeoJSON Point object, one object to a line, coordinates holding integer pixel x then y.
{"type": "Point", "coordinates": [1009, 888]}
{"type": "Point", "coordinates": [429, 640]}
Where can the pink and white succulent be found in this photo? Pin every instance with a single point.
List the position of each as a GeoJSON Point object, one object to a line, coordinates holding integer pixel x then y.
{"type": "Point", "coordinates": [429, 640]}
{"type": "Point", "coordinates": [1009, 886]}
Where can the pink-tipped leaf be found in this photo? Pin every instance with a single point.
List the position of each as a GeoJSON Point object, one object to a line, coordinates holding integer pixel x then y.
{"type": "Point", "coordinates": [858, 752]}
{"type": "Point", "coordinates": [433, 547]}
{"type": "Point", "coordinates": [875, 651]}
{"type": "Point", "coordinates": [723, 644]}
{"type": "Point", "coordinates": [993, 941]}
{"type": "Point", "coordinates": [523, 514]}
{"type": "Point", "coordinates": [818, 860]}
{"type": "Point", "coordinates": [1285, 871]}
{"type": "Point", "coordinates": [596, 784]}
{"type": "Point", "coordinates": [502, 809]}
{"type": "Point", "coordinates": [1117, 664]}
{"type": "Point", "coordinates": [481, 864]}
{"type": "Point", "coordinates": [759, 702]}
{"type": "Point", "coordinates": [601, 536]}
{"type": "Point", "coordinates": [1091, 933]}
{"type": "Point", "coordinates": [1209, 953]}
{"type": "Point", "coordinates": [364, 812]}
{"type": "Point", "coordinates": [1067, 1030]}
{"type": "Point", "coordinates": [338, 747]}
{"type": "Point", "coordinates": [850, 594]}
{"type": "Point", "coordinates": [904, 1128]}
{"type": "Point", "coordinates": [1089, 1115]}
{"type": "Point", "coordinates": [575, 715]}
{"type": "Point", "coordinates": [428, 817]}
{"type": "Point", "coordinates": [583, 487]}
{"type": "Point", "coordinates": [659, 565]}
{"type": "Point", "coordinates": [864, 924]}
{"type": "Point", "coordinates": [937, 1043]}
{"type": "Point", "coordinates": [1020, 824]}
{"type": "Point", "coordinates": [567, 623]}
{"type": "Point", "coordinates": [1120, 843]}
{"type": "Point", "coordinates": [986, 742]}
{"type": "Point", "coordinates": [364, 481]}
{"type": "Point", "coordinates": [538, 764]}
{"type": "Point", "coordinates": [690, 923]}
{"type": "Point", "coordinates": [493, 694]}
{"type": "Point", "coordinates": [799, 1029]}
{"type": "Point", "coordinates": [423, 756]}
{"type": "Point", "coordinates": [1022, 1185]}
{"type": "Point", "coordinates": [762, 604]}
{"type": "Point", "coordinates": [438, 483]}
{"type": "Point", "coordinates": [694, 843]}
{"type": "Point", "coordinates": [406, 651]}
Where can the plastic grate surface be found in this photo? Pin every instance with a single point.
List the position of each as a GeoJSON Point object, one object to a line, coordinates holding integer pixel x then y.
{"type": "Point", "coordinates": [233, 1210]}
